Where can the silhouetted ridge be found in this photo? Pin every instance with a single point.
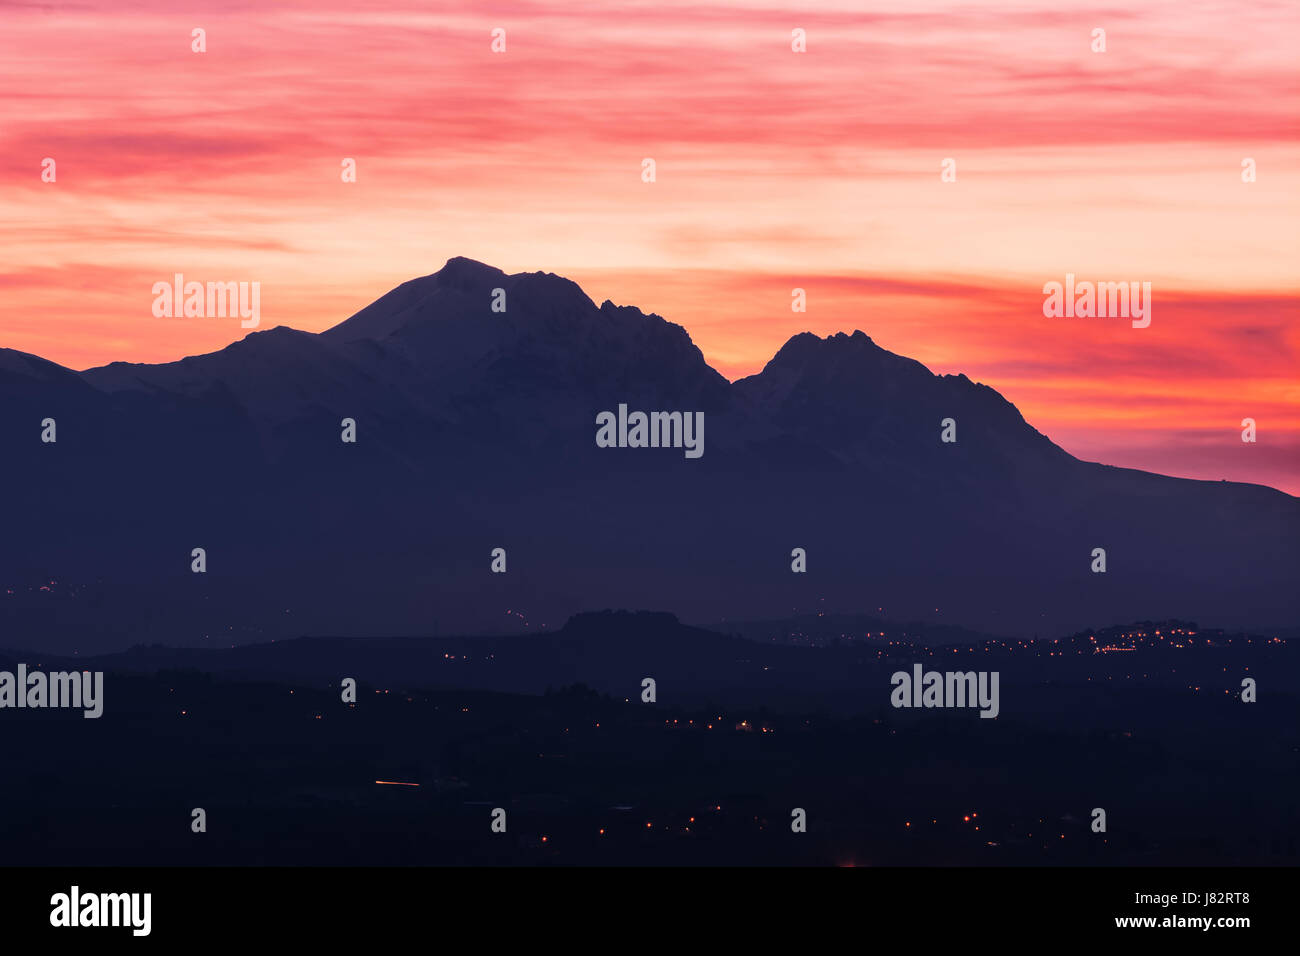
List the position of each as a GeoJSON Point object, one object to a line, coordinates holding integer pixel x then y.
{"type": "Point", "coordinates": [840, 354]}
{"type": "Point", "coordinates": [927, 495]}
{"type": "Point", "coordinates": [467, 274]}
{"type": "Point", "coordinates": [620, 623]}
{"type": "Point", "coordinates": [23, 365]}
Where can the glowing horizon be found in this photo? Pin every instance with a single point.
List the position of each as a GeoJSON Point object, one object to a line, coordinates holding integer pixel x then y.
{"type": "Point", "coordinates": [775, 170]}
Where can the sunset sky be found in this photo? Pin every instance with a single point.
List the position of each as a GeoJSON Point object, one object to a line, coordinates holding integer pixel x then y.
{"type": "Point", "coordinates": [775, 170]}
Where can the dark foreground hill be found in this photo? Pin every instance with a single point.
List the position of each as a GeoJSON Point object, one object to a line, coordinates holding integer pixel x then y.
{"type": "Point", "coordinates": [288, 773]}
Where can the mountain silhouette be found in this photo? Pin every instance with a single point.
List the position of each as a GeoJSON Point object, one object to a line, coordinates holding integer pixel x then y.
{"type": "Point", "coordinates": [476, 430]}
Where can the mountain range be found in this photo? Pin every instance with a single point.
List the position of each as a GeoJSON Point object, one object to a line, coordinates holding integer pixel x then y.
{"type": "Point", "coordinates": [475, 430]}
